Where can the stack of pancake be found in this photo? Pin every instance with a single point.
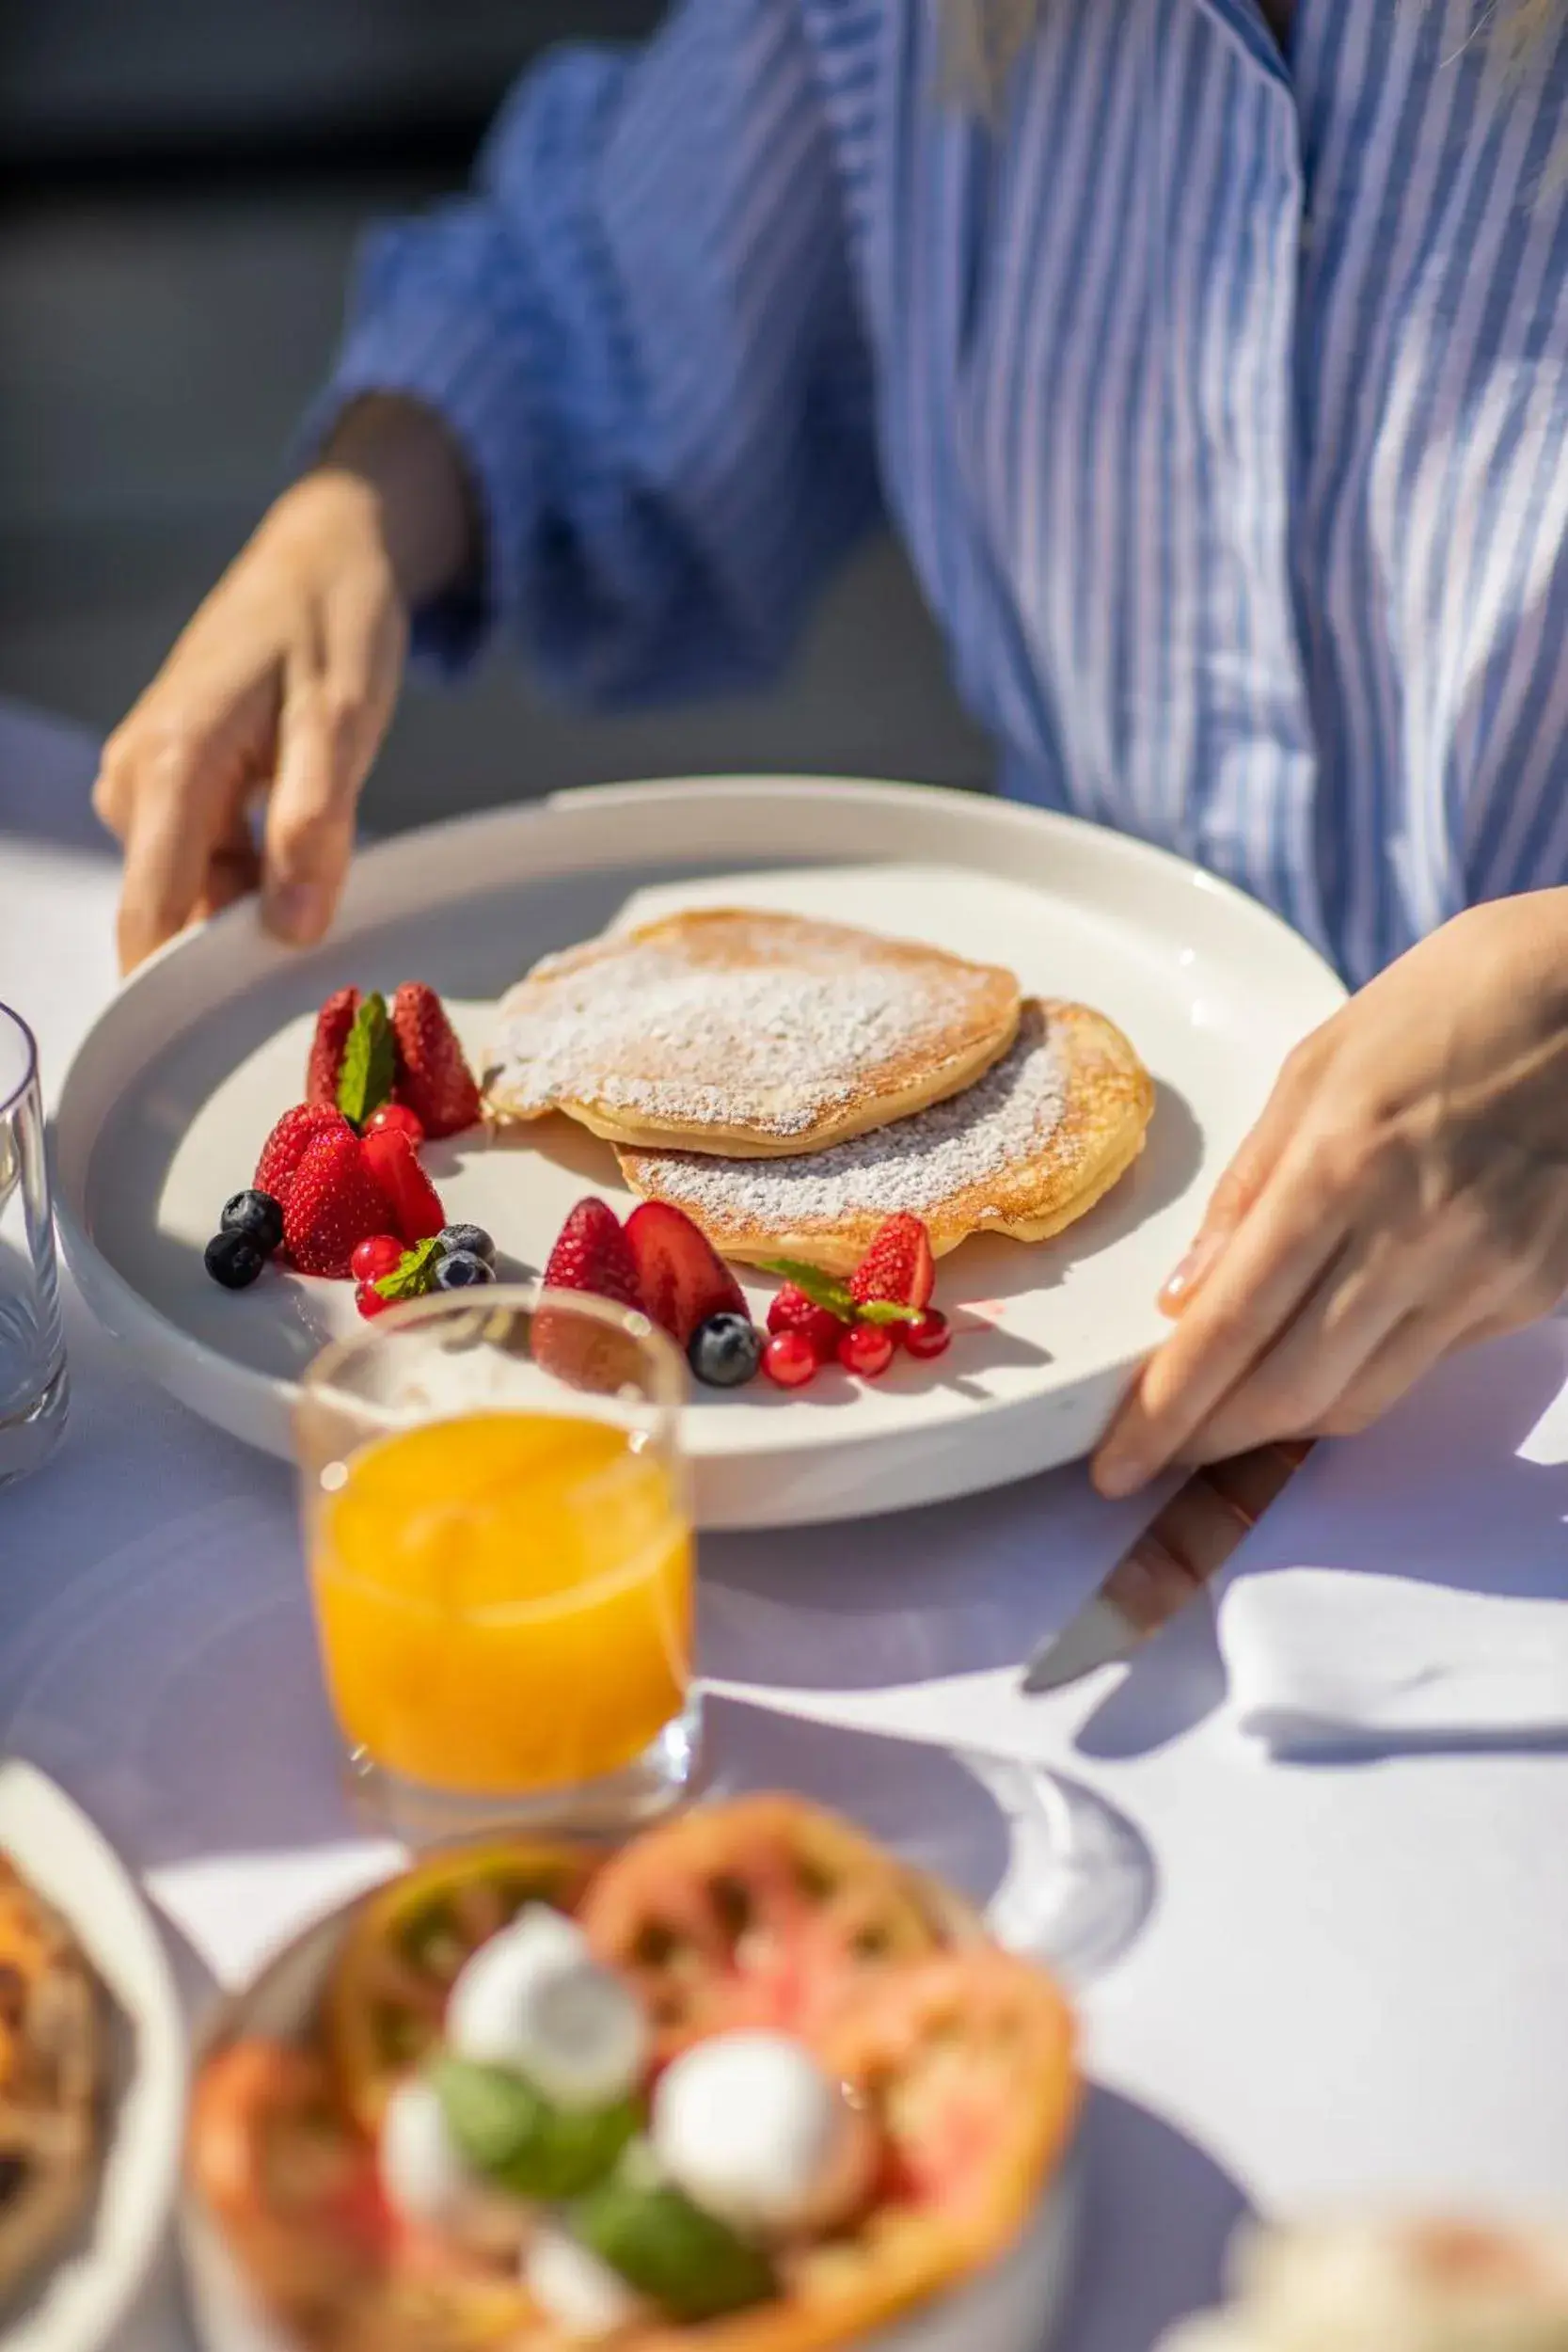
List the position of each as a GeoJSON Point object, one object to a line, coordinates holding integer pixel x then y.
{"type": "Point", "coordinates": [791, 1084]}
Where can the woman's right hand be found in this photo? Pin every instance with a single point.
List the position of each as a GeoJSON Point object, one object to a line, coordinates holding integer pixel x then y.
{"type": "Point", "coordinates": [282, 688]}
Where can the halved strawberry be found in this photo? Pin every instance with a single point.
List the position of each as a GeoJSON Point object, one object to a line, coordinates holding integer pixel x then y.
{"type": "Point", "coordinates": [682, 1277]}
{"type": "Point", "coordinates": [417, 1211]}
{"type": "Point", "coordinates": [898, 1266]}
{"type": "Point", "coordinates": [288, 1143]}
{"type": "Point", "coordinates": [334, 1203]}
{"type": "Point", "coordinates": [433, 1077]}
{"type": "Point", "coordinates": [333, 1023]}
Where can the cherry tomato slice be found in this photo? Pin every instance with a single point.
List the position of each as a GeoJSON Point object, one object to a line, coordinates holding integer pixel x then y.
{"type": "Point", "coordinates": [763, 1912]}
{"type": "Point", "coordinates": [387, 1994]}
{"type": "Point", "coordinates": [292, 2184]}
{"type": "Point", "coordinates": [966, 2061]}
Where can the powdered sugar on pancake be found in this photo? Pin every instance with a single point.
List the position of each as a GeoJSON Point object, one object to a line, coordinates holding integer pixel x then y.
{"type": "Point", "coordinates": [993, 1128]}
{"type": "Point", "coordinates": [647, 1033]}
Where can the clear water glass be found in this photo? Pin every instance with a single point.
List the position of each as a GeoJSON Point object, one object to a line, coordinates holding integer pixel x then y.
{"type": "Point", "coordinates": [33, 1389]}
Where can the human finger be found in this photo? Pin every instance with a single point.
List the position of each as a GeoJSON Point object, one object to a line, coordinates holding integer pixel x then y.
{"type": "Point", "coordinates": [309, 826]}
{"type": "Point", "coordinates": [1320, 1353]}
{"type": "Point", "coordinates": [233, 867]}
{"type": "Point", "coordinates": [1279, 1252]}
{"type": "Point", "coordinates": [1411, 1350]}
{"type": "Point", "coordinates": [1245, 1178]}
{"type": "Point", "coordinates": [168, 835]}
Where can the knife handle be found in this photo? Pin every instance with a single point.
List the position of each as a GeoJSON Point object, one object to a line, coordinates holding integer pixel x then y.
{"type": "Point", "coordinates": [1248, 1483]}
{"type": "Point", "coordinates": [1193, 1535]}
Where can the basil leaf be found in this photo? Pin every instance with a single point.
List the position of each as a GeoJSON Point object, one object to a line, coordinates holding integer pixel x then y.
{"type": "Point", "coordinates": [519, 2139]}
{"type": "Point", "coordinates": [688, 2263]}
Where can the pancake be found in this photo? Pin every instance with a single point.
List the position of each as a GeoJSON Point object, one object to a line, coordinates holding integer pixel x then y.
{"type": "Point", "coordinates": [1026, 1151]}
{"type": "Point", "coordinates": [745, 1034]}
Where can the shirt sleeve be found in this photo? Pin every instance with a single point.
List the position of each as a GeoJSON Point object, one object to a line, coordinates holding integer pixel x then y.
{"type": "Point", "coordinates": [642, 331]}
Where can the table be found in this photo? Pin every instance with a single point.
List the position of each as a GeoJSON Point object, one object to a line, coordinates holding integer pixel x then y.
{"type": "Point", "coordinates": [1350, 1979]}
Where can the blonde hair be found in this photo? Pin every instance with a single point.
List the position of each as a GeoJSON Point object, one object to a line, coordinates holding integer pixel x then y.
{"type": "Point", "coordinates": [982, 38]}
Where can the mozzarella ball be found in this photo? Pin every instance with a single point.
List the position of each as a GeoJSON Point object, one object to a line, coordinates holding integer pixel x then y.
{"type": "Point", "coordinates": [423, 2172]}
{"type": "Point", "coordinates": [533, 1999]}
{"type": "Point", "coordinates": [570, 2286]}
{"type": "Point", "coordinates": [750, 2126]}
{"type": "Point", "coordinates": [482, 2007]}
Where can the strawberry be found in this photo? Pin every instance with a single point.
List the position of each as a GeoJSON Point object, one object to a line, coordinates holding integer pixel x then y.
{"type": "Point", "coordinates": [333, 1023]}
{"type": "Point", "coordinates": [334, 1203]}
{"type": "Point", "coordinates": [897, 1267]}
{"type": "Point", "coordinates": [289, 1141]}
{"type": "Point", "coordinates": [433, 1077]}
{"type": "Point", "coordinates": [591, 1253]}
{"type": "Point", "coordinates": [792, 1310]}
{"type": "Point", "coordinates": [394, 1164]}
{"type": "Point", "coordinates": [683, 1279]}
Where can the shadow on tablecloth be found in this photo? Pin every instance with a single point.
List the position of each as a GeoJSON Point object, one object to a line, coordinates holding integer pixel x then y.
{"type": "Point", "coordinates": [1158, 2213]}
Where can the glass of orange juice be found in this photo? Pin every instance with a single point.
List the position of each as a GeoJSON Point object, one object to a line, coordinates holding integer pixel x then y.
{"type": "Point", "coordinates": [501, 1553]}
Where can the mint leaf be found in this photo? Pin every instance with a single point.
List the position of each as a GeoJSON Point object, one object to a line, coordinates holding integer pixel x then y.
{"type": "Point", "coordinates": [823, 1290]}
{"type": "Point", "coordinates": [414, 1273]}
{"type": "Point", "coordinates": [364, 1080]}
{"type": "Point", "coordinates": [887, 1311]}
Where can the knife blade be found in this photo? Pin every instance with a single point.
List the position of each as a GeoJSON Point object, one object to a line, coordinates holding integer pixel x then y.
{"type": "Point", "coordinates": [1186, 1544]}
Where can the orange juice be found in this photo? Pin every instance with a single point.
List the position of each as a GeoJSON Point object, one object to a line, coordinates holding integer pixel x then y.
{"type": "Point", "coordinates": [505, 1600]}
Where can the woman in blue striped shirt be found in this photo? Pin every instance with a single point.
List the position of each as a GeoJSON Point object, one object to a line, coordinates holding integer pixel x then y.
{"type": "Point", "coordinates": [1213, 364]}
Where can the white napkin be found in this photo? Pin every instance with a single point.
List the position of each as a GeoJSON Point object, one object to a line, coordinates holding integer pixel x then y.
{"type": "Point", "coordinates": [1444, 1622]}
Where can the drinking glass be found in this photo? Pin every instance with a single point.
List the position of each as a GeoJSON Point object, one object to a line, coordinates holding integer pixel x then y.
{"type": "Point", "coordinates": [33, 1387]}
{"type": "Point", "coordinates": [499, 1544]}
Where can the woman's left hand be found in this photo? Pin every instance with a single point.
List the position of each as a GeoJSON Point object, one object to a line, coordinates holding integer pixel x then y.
{"type": "Point", "coordinates": [1404, 1192]}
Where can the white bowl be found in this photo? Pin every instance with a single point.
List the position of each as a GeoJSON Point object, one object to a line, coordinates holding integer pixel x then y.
{"type": "Point", "coordinates": [1012, 2307]}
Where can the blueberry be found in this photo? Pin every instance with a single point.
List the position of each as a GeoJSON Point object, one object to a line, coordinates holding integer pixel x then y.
{"type": "Point", "coordinates": [724, 1351]}
{"type": "Point", "coordinates": [258, 1216]}
{"type": "Point", "coordinates": [234, 1260]}
{"type": "Point", "coordinates": [463, 1267]}
{"type": "Point", "coordinates": [472, 1238]}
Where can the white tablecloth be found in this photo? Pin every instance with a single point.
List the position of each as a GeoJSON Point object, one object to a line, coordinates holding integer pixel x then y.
{"type": "Point", "coordinates": [1349, 1982]}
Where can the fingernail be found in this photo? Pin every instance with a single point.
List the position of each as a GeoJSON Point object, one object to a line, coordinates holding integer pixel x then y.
{"type": "Point", "coordinates": [1117, 1474]}
{"type": "Point", "coordinates": [297, 911]}
{"type": "Point", "coordinates": [1191, 1271]}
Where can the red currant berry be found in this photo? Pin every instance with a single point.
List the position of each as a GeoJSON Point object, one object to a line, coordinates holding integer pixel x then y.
{"type": "Point", "coordinates": [396, 1115]}
{"type": "Point", "coordinates": [792, 1310]}
{"type": "Point", "coordinates": [866, 1348]}
{"type": "Point", "coordinates": [789, 1360]}
{"type": "Point", "coordinates": [370, 1302]}
{"type": "Point", "coordinates": [928, 1335]}
{"type": "Point", "coordinates": [376, 1255]}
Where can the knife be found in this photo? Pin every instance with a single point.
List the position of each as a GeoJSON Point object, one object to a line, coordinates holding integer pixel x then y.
{"type": "Point", "coordinates": [1185, 1544]}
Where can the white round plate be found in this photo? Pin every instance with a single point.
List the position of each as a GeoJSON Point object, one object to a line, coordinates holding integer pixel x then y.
{"type": "Point", "coordinates": [79, 2302]}
{"type": "Point", "coordinates": [170, 1099]}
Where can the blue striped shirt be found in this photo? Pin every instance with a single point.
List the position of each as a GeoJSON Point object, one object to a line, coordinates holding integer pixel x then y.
{"type": "Point", "coordinates": [1219, 397]}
